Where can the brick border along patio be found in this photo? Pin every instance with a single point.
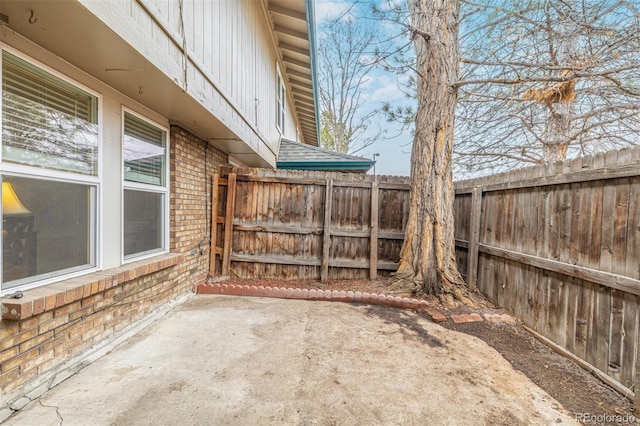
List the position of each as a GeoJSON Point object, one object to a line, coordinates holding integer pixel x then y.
{"type": "Point", "coordinates": [341, 296]}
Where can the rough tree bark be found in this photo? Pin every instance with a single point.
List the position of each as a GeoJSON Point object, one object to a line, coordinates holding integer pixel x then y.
{"type": "Point", "coordinates": [427, 260]}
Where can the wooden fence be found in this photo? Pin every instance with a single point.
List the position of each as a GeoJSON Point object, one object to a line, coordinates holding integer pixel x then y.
{"type": "Point", "coordinates": [559, 247]}
{"type": "Point", "coordinates": [306, 225]}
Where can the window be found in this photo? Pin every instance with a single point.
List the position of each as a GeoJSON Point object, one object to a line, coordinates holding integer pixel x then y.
{"type": "Point", "coordinates": [280, 110]}
{"type": "Point", "coordinates": [49, 172]}
{"type": "Point", "coordinates": [146, 193]}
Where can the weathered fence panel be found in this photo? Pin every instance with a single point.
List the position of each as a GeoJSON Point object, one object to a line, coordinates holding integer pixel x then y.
{"type": "Point", "coordinates": [558, 246]}
{"type": "Point", "coordinates": [307, 225]}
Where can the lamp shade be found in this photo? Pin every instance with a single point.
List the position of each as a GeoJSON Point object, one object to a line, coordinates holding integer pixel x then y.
{"type": "Point", "coordinates": [11, 204]}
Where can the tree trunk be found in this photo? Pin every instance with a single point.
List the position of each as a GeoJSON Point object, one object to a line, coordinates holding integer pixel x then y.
{"type": "Point", "coordinates": [558, 132]}
{"type": "Point", "coordinates": [427, 260]}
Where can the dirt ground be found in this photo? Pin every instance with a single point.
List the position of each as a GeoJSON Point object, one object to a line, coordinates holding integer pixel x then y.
{"type": "Point", "coordinates": [575, 388]}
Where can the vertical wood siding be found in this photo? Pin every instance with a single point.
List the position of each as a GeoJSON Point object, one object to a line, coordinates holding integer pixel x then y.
{"type": "Point", "coordinates": [232, 57]}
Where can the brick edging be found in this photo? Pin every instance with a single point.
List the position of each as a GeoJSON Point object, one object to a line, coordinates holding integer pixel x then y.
{"type": "Point", "coordinates": [321, 295]}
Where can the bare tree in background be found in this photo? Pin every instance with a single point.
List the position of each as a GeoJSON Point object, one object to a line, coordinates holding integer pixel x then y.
{"type": "Point", "coordinates": [545, 79]}
{"type": "Point", "coordinates": [345, 59]}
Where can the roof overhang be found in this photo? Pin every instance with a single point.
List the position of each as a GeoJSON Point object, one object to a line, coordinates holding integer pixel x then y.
{"type": "Point", "coordinates": [294, 28]}
{"type": "Point", "coordinates": [299, 156]}
{"type": "Point", "coordinates": [344, 166]}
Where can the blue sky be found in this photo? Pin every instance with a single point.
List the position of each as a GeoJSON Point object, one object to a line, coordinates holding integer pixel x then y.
{"type": "Point", "coordinates": [395, 153]}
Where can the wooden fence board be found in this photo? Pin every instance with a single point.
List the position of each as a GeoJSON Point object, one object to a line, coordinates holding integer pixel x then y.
{"type": "Point", "coordinates": [327, 230]}
{"type": "Point", "coordinates": [373, 242]}
{"type": "Point", "coordinates": [228, 226]}
{"type": "Point", "coordinates": [631, 318]}
{"type": "Point", "coordinates": [214, 224]}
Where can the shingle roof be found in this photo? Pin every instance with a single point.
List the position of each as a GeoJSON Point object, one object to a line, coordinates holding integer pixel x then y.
{"type": "Point", "coordinates": [299, 156]}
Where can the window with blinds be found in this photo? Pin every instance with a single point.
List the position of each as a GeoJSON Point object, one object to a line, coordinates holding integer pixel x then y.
{"type": "Point", "coordinates": [144, 151]}
{"type": "Point", "coordinates": [46, 121]}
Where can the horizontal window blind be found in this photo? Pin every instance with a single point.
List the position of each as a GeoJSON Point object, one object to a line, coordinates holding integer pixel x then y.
{"type": "Point", "coordinates": [46, 121]}
{"type": "Point", "coordinates": [144, 151]}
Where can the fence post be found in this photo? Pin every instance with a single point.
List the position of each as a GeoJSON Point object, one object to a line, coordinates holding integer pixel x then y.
{"type": "Point", "coordinates": [474, 238]}
{"type": "Point", "coordinates": [215, 188]}
{"type": "Point", "coordinates": [326, 241]}
{"type": "Point", "coordinates": [636, 378]}
{"type": "Point", "coordinates": [373, 244]}
{"type": "Point", "coordinates": [228, 223]}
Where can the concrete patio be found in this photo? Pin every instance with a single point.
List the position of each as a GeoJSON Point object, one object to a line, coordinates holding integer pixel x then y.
{"type": "Point", "coordinates": [239, 361]}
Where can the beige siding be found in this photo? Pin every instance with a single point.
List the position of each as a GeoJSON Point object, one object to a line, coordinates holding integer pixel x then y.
{"type": "Point", "coordinates": [232, 58]}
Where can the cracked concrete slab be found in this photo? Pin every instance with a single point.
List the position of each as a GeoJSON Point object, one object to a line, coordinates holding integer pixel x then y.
{"type": "Point", "coordinates": [238, 361]}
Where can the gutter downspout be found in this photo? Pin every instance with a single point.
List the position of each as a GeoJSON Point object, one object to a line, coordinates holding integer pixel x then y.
{"type": "Point", "coordinates": [311, 24]}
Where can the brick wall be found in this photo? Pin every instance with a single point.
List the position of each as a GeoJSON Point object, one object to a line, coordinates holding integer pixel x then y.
{"type": "Point", "coordinates": [51, 327]}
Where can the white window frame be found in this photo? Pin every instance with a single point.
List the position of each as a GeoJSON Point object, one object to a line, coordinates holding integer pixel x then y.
{"type": "Point", "coordinates": [136, 186]}
{"type": "Point", "coordinates": [35, 172]}
{"type": "Point", "coordinates": [281, 102]}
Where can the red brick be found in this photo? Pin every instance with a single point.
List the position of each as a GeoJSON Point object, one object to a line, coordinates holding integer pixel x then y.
{"type": "Point", "coordinates": [279, 292]}
{"type": "Point", "coordinates": [234, 290]}
{"type": "Point", "coordinates": [207, 288]}
{"type": "Point", "coordinates": [315, 294]}
{"type": "Point", "coordinates": [302, 294]}
{"type": "Point", "coordinates": [414, 304]}
{"type": "Point", "coordinates": [436, 315]}
{"type": "Point", "coordinates": [351, 296]}
{"type": "Point", "coordinates": [406, 303]}
{"type": "Point", "coordinates": [395, 301]}
{"type": "Point", "coordinates": [374, 299]}
{"type": "Point", "coordinates": [357, 297]}
{"type": "Point", "coordinates": [464, 318]}
{"type": "Point", "coordinates": [249, 290]}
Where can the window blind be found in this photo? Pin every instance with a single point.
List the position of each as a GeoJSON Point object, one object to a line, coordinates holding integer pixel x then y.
{"type": "Point", "coordinates": [46, 121]}
{"type": "Point", "coordinates": [144, 151]}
